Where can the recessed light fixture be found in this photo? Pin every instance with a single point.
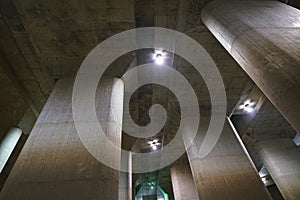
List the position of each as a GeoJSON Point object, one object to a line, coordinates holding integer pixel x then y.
{"type": "Point", "coordinates": [159, 57]}
{"type": "Point", "coordinates": [154, 144]}
{"type": "Point", "coordinates": [247, 106]}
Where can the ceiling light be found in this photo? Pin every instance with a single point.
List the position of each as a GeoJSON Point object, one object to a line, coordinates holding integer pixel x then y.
{"type": "Point", "coordinates": [249, 109]}
{"type": "Point", "coordinates": [154, 144]}
{"type": "Point", "coordinates": [247, 106]}
{"type": "Point", "coordinates": [159, 57]}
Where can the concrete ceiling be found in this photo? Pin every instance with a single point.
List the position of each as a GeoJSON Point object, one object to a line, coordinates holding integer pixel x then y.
{"type": "Point", "coordinates": [42, 41]}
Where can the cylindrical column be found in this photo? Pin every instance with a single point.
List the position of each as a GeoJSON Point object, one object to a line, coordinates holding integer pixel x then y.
{"type": "Point", "coordinates": [125, 183]}
{"type": "Point", "coordinates": [282, 159]}
{"type": "Point", "coordinates": [226, 172]}
{"type": "Point", "coordinates": [264, 38]}
{"type": "Point", "coordinates": [183, 184]}
{"type": "Point", "coordinates": [54, 164]}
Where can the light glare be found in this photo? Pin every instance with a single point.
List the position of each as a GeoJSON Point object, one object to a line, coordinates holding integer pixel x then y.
{"type": "Point", "coordinates": [154, 144]}
{"type": "Point", "coordinates": [159, 60]}
{"type": "Point", "coordinates": [247, 106]}
{"type": "Point", "coordinates": [159, 57]}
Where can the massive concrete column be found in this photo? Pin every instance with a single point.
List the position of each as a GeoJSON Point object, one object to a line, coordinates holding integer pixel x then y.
{"type": "Point", "coordinates": [183, 184]}
{"type": "Point", "coordinates": [125, 182]}
{"type": "Point", "coordinates": [226, 172]}
{"type": "Point", "coordinates": [124, 187]}
{"type": "Point", "coordinates": [54, 164]}
{"type": "Point", "coordinates": [282, 159]}
{"type": "Point", "coordinates": [264, 38]}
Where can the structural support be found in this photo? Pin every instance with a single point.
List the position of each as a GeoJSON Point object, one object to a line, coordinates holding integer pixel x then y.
{"type": "Point", "coordinates": [282, 159]}
{"type": "Point", "coordinates": [27, 122]}
{"type": "Point", "coordinates": [54, 164]}
{"type": "Point", "coordinates": [226, 172]}
{"type": "Point", "coordinates": [183, 184]}
{"type": "Point", "coordinates": [12, 77]}
{"type": "Point", "coordinates": [8, 144]}
{"type": "Point", "coordinates": [264, 38]}
{"type": "Point", "coordinates": [125, 184]}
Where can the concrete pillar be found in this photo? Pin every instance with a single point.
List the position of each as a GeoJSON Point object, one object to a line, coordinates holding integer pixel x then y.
{"type": "Point", "coordinates": [282, 159]}
{"type": "Point", "coordinates": [124, 187]}
{"type": "Point", "coordinates": [183, 183]}
{"type": "Point", "coordinates": [13, 156]}
{"type": "Point", "coordinates": [54, 164]}
{"type": "Point", "coordinates": [8, 144]}
{"type": "Point", "coordinates": [125, 183]}
{"type": "Point", "coordinates": [226, 172]}
{"type": "Point", "coordinates": [264, 38]}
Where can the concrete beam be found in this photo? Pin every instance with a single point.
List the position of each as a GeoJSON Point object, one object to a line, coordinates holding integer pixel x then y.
{"type": "Point", "coordinates": [14, 80]}
{"type": "Point", "coordinates": [13, 20]}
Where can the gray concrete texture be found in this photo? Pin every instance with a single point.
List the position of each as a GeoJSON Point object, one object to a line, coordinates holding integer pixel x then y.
{"type": "Point", "coordinates": [282, 160]}
{"type": "Point", "coordinates": [43, 41]}
{"type": "Point", "coordinates": [266, 45]}
{"type": "Point", "coordinates": [183, 183]}
{"type": "Point", "coordinates": [54, 164]}
{"type": "Point", "coordinates": [226, 172]}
